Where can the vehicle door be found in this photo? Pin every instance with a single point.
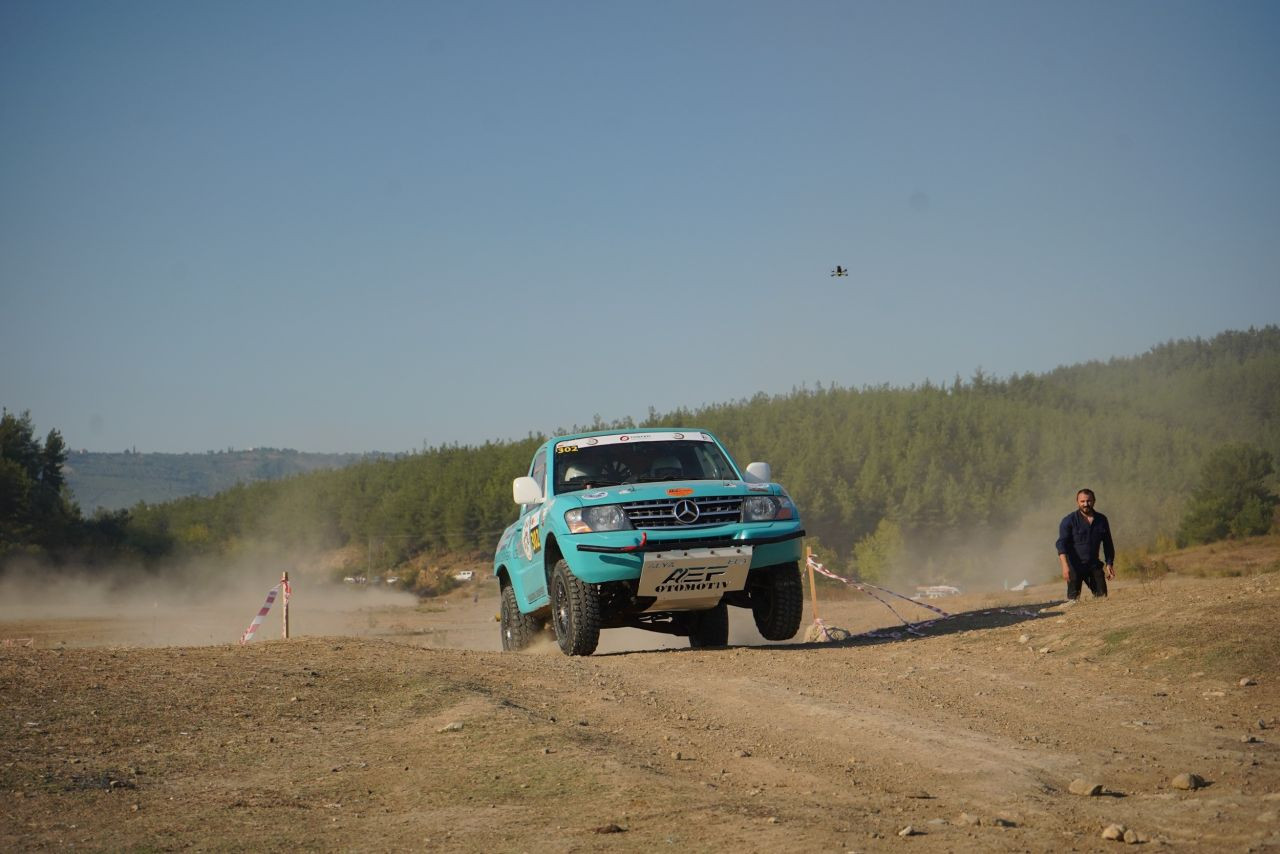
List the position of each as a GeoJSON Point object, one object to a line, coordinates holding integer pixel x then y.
{"type": "Point", "coordinates": [527, 574]}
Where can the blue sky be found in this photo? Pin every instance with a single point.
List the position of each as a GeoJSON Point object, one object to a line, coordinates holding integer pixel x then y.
{"type": "Point", "coordinates": [382, 225]}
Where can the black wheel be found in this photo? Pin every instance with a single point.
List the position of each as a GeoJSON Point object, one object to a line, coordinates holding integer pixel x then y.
{"type": "Point", "coordinates": [518, 630]}
{"type": "Point", "coordinates": [777, 601]}
{"type": "Point", "coordinates": [709, 628]}
{"type": "Point", "coordinates": [575, 610]}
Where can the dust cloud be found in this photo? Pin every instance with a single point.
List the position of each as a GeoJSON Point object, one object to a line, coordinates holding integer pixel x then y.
{"type": "Point", "coordinates": [198, 603]}
{"type": "Point", "coordinates": [987, 559]}
{"type": "Point", "coordinates": [210, 602]}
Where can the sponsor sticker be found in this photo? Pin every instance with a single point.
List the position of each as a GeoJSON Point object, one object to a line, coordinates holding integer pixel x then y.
{"type": "Point", "coordinates": [683, 490]}
{"type": "Point", "coordinates": [530, 539]}
{"type": "Point", "coordinates": [694, 574]}
{"type": "Point", "coordinates": [569, 446]}
{"type": "Point", "coordinates": [600, 494]}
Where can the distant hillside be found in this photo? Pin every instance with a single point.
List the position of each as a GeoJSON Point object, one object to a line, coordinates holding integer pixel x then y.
{"type": "Point", "coordinates": [957, 483]}
{"type": "Point", "coordinates": [116, 481]}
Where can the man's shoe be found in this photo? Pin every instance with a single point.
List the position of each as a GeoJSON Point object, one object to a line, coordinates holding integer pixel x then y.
{"type": "Point", "coordinates": [1069, 603]}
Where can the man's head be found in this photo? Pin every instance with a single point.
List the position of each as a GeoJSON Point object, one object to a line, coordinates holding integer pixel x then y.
{"type": "Point", "coordinates": [1085, 500]}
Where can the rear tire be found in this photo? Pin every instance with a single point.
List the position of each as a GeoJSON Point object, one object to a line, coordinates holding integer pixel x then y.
{"type": "Point", "coordinates": [710, 628]}
{"type": "Point", "coordinates": [777, 601]}
{"type": "Point", "coordinates": [518, 629]}
{"type": "Point", "coordinates": [575, 611]}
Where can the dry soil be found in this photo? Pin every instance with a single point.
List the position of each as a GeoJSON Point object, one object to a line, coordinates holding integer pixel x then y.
{"type": "Point", "coordinates": [403, 728]}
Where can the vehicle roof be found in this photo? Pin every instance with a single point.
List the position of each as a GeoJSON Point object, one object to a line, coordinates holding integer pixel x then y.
{"type": "Point", "coordinates": [588, 435]}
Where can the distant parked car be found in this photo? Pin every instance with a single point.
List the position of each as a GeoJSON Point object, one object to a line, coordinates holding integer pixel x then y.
{"type": "Point", "coordinates": [936, 591]}
{"type": "Point", "coordinates": [465, 575]}
{"type": "Point", "coordinates": [650, 529]}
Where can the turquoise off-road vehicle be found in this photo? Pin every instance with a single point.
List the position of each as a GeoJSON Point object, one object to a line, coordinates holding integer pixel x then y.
{"type": "Point", "coordinates": [652, 529]}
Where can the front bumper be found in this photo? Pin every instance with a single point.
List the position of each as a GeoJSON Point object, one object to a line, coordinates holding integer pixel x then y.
{"type": "Point", "coordinates": [662, 544]}
{"type": "Point", "coordinates": [619, 555]}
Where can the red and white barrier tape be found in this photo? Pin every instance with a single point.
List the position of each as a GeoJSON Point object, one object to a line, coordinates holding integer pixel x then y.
{"type": "Point", "coordinates": [868, 588]}
{"type": "Point", "coordinates": [262, 612]}
{"type": "Point", "coordinates": [913, 628]}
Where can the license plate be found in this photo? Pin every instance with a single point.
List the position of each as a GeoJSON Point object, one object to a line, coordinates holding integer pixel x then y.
{"type": "Point", "coordinates": [694, 573]}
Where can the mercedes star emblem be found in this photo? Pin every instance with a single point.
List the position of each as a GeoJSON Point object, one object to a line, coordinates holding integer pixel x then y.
{"type": "Point", "coordinates": [686, 512]}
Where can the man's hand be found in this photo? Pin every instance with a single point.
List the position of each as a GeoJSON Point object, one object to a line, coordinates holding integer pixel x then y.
{"type": "Point", "coordinates": [1111, 572]}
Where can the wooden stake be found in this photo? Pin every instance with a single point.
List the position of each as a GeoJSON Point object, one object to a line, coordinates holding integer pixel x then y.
{"type": "Point", "coordinates": [813, 589]}
{"type": "Point", "coordinates": [284, 582]}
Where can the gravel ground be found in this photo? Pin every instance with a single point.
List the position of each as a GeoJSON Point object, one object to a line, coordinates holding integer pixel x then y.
{"type": "Point", "coordinates": [403, 728]}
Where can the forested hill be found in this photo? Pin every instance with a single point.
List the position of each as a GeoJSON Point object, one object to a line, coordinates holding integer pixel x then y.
{"type": "Point", "coordinates": [112, 481]}
{"type": "Point", "coordinates": [950, 479]}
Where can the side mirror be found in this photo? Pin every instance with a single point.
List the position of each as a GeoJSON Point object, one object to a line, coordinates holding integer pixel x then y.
{"type": "Point", "coordinates": [759, 473]}
{"type": "Point", "coordinates": [525, 490]}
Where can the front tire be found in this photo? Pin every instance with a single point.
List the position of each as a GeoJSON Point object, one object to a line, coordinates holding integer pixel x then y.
{"type": "Point", "coordinates": [710, 628]}
{"type": "Point", "coordinates": [575, 610]}
{"type": "Point", "coordinates": [777, 601]}
{"type": "Point", "coordinates": [518, 629]}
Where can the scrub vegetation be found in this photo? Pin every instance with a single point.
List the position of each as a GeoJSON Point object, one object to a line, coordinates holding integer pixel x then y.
{"type": "Point", "coordinates": [1178, 442]}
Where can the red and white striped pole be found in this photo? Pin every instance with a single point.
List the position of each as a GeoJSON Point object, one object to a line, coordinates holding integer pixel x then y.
{"type": "Point", "coordinates": [284, 591]}
{"type": "Point", "coordinates": [262, 613]}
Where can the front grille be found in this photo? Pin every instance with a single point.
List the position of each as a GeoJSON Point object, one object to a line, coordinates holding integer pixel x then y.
{"type": "Point", "coordinates": [712, 510]}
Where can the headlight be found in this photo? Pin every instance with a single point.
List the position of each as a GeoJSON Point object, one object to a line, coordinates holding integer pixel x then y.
{"type": "Point", "coordinates": [585, 520]}
{"type": "Point", "coordinates": [766, 508]}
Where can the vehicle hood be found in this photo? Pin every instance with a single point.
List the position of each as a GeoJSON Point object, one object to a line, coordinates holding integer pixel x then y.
{"type": "Point", "coordinates": [668, 489]}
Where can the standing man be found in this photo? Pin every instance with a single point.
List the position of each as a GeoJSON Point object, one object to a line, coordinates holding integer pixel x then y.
{"type": "Point", "coordinates": [1079, 536]}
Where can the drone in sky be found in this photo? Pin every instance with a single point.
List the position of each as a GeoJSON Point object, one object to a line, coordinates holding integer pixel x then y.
{"type": "Point", "coordinates": [839, 271]}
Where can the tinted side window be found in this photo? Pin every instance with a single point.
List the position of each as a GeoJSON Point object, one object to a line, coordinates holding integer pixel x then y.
{"type": "Point", "coordinates": [714, 465]}
{"type": "Point", "coordinates": [537, 471]}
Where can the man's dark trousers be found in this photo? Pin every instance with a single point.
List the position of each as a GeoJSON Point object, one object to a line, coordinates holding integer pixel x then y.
{"type": "Point", "coordinates": [1093, 577]}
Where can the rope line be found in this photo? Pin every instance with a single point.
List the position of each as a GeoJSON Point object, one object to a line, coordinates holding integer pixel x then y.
{"type": "Point", "coordinates": [911, 628]}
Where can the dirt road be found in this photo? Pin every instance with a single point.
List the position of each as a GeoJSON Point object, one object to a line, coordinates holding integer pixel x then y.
{"type": "Point", "coordinates": [409, 733]}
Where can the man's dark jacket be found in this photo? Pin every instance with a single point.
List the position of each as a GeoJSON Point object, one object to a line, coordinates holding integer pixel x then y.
{"type": "Point", "coordinates": [1079, 541]}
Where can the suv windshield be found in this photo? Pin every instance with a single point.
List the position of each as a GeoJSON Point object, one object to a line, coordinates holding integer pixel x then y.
{"type": "Point", "coordinates": [583, 466]}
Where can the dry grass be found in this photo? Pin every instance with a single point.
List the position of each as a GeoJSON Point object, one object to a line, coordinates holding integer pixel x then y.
{"type": "Point", "coordinates": [1231, 631]}
{"type": "Point", "coordinates": [1232, 558]}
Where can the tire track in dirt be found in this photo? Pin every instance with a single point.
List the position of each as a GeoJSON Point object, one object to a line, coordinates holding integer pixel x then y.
{"type": "Point", "coordinates": [339, 743]}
